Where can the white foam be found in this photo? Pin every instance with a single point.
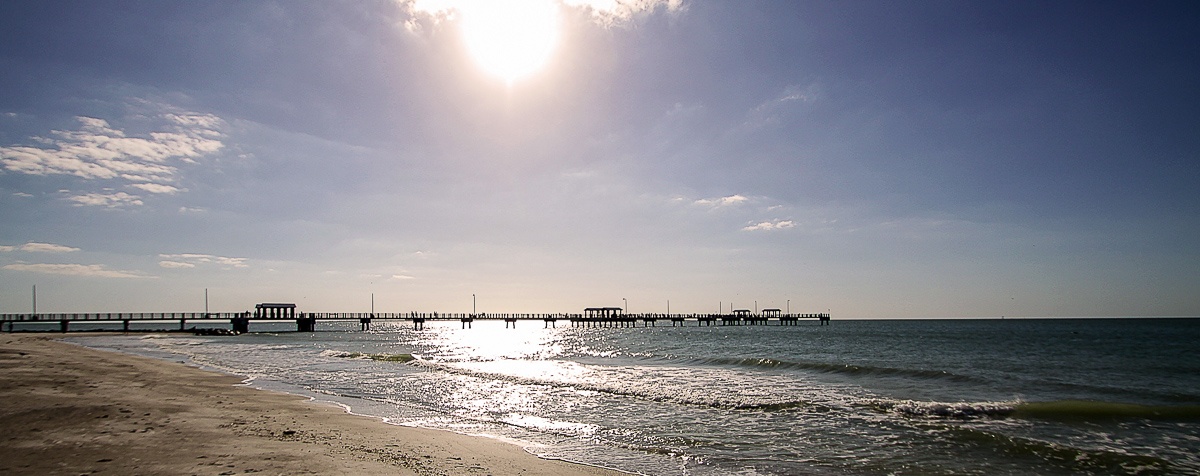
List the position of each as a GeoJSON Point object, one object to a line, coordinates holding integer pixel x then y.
{"type": "Point", "coordinates": [945, 409]}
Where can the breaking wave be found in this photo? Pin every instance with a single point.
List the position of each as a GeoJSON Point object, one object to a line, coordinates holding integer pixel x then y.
{"type": "Point", "coordinates": [366, 356]}
{"type": "Point", "coordinates": [1093, 410]}
{"type": "Point", "coordinates": [656, 393]}
{"type": "Point", "coordinates": [961, 410]}
{"type": "Point", "coordinates": [1081, 410]}
{"type": "Point", "coordinates": [849, 369]}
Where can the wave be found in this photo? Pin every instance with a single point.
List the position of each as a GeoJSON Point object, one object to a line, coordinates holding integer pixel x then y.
{"type": "Point", "coordinates": [1063, 410]}
{"type": "Point", "coordinates": [1082, 410]}
{"type": "Point", "coordinates": [960, 410]}
{"type": "Point", "coordinates": [1116, 392]}
{"type": "Point", "coordinates": [848, 369]}
{"type": "Point", "coordinates": [1094, 460]}
{"type": "Point", "coordinates": [1094, 410]}
{"type": "Point", "coordinates": [675, 394]}
{"type": "Point", "coordinates": [402, 358]}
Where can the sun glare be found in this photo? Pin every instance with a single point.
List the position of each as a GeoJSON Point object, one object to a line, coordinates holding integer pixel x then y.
{"type": "Point", "coordinates": [510, 39]}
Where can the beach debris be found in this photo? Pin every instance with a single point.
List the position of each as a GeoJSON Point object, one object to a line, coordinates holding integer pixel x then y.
{"type": "Point", "coordinates": [383, 357]}
{"type": "Point", "coordinates": [214, 332]}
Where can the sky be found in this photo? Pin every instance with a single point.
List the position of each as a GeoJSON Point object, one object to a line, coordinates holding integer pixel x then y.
{"type": "Point", "coordinates": [870, 159]}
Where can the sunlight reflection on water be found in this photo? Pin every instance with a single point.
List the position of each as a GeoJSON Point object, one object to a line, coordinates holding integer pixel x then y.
{"type": "Point", "coordinates": [469, 345]}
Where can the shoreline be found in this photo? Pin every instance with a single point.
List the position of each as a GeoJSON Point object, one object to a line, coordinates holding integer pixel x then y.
{"type": "Point", "coordinates": [70, 409]}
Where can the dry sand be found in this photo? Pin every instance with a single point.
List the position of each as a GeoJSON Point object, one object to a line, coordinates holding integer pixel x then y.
{"type": "Point", "coordinates": [66, 409]}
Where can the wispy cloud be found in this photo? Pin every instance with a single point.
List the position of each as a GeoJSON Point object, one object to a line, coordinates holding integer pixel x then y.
{"type": "Point", "coordinates": [611, 12]}
{"type": "Point", "coordinates": [155, 188]}
{"type": "Point", "coordinates": [604, 12]}
{"type": "Point", "coordinates": [34, 247]}
{"type": "Point", "coordinates": [722, 201]}
{"type": "Point", "coordinates": [83, 270]}
{"type": "Point", "coordinates": [108, 199]}
{"type": "Point", "coordinates": [98, 151]}
{"type": "Point", "coordinates": [768, 112]}
{"type": "Point", "coordinates": [191, 260]}
{"type": "Point", "coordinates": [770, 225]}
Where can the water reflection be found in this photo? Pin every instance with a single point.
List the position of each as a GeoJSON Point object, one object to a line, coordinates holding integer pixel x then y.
{"type": "Point", "coordinates": [447, 343]}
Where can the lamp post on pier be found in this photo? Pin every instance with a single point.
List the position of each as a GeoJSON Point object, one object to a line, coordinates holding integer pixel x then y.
{"type": "Point", "coordinates": [789, 306]}
{"type": "Point", "coordinates": [626, 310]}
{"type": "Point", "coordinates": [472, 304]}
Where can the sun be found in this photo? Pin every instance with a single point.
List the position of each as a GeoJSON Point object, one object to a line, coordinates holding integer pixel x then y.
{"type": "Point", "coordinates": [510, 39]}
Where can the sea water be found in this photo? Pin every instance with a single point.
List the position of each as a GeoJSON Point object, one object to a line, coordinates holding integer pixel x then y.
{"type": "Point", "coordinates": [880, 397]}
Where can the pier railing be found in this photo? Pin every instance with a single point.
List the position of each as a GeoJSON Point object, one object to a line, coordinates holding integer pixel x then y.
{"type": "Point", "coordinates": [306, 322]}
{"type": "Point", "coordinates": [433, 316]}
{"type": "Point", "coordinates": [118, 316]}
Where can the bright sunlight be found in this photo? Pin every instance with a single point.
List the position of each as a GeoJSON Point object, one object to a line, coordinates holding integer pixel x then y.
{"type": "Point", "coordinates": [510, 39]}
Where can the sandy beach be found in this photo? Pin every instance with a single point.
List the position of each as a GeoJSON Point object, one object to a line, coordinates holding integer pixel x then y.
{"type": "Point", "coordinates": [73, 410]}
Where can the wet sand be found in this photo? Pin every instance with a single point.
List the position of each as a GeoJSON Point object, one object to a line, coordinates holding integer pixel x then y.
{"type": "Point", "coordinates": [66, 409]}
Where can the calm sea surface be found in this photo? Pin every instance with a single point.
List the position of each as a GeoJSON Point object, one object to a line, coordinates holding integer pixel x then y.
{"type": "Point", "coordinates": [927, 397]}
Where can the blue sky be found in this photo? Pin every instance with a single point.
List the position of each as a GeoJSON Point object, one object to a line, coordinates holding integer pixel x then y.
{"type": "Point", "coordinates": [876, 159]}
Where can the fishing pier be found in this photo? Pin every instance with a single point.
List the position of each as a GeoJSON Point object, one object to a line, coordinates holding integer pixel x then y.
{"type": "Point", "coordinates": [240, 322]}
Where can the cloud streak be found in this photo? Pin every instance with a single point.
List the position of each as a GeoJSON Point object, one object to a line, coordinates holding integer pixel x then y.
{"type": "Point", "coordinates": [34, 247]}
{"type": "Point", "coordinates": [721, 202]}
{"type": "Point", "coordinates": [776, 224]}
{"type": "Point", "coordinates": [81, 270]}
{"type": "Point", "coordinates": [107, 199]}
{"type": "Point", "coordinates": [191, 260]}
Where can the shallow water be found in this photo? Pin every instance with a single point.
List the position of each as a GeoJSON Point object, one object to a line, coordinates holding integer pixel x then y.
{"type": "Point", "coordinates": [1064, 396]}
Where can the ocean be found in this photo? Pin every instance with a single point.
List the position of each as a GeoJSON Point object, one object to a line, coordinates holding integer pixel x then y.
{"type": "Point", "coordinates": [871, 397]}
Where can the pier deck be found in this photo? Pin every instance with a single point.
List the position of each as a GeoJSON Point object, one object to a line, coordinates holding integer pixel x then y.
{"type": "Point", "coordinates": [306, 322]}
